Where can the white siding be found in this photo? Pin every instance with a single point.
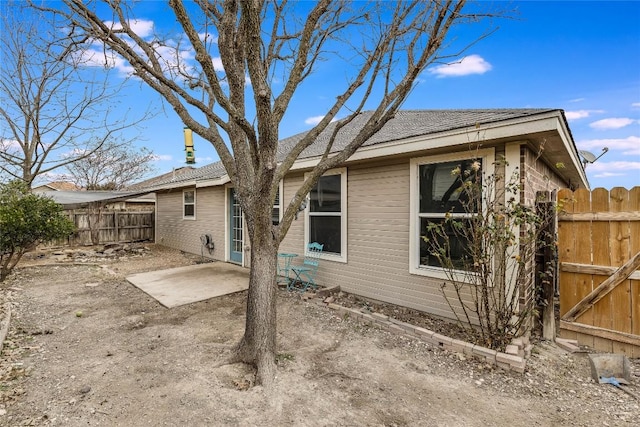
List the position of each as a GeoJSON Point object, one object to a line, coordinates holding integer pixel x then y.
{"type": "Point", "coordinates": [378, 237]}
{"type": "Point", "coordinates": [184, 234]}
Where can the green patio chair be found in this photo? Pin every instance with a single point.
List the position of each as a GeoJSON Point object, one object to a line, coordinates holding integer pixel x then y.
{"type": "Point", "coordinates": [305, 274]}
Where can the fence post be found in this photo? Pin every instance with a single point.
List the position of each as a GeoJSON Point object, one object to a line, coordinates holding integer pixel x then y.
{"type": "Point", "coordinates": [546, 270]}
{"type": "Point", "coordinates": [115, 225]}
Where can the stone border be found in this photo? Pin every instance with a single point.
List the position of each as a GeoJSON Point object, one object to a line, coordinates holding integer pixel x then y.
{"type": "Point", "coordinates": [5, 324]}
{"type": "Point", "coordinates": [514, 358]}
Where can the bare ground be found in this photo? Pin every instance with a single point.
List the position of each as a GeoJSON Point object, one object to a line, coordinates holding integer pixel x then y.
{"type": "Point", "coordinates": [86, 348]}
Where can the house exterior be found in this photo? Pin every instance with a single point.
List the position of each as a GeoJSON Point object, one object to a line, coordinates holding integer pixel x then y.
{"type": "Point", "coordinates": [371, 212]}
{"type": "Point", "coordinates": [56, 186]}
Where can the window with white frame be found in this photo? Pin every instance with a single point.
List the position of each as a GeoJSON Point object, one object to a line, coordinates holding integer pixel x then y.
{"type": "Point", "coordinates": [327, 215]}
{"type": "Point", "coordinates": [189, 204]}
{"type": "Point", "coordinates": [277, 208]}
{"type": "Point", "coordinates": [437, 193]}
{"type": "Point", "coordinates": [442, 196]}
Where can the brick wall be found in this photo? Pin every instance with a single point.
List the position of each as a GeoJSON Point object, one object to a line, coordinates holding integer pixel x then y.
{"type": "Point", "coordinates": [535, 176]}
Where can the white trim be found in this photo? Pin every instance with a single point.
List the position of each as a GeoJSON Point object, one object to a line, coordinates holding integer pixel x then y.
{"type": "Point", "coordinates": [342, 257]}
{"type": "Point", "coordinates": [189, 218]}
{"type": "Point", "coordinates": [227, 249]}
{"type": "Point", "coordinates": [227, 226]}
{"type": "Point", "coordinates": [454, 138]}
{"type": "Point", "coordinates": [488, 159]}
{"type": "Point", "coordinates": [213, 182]}
{"type": "Point", "coordinates": [280, 204]}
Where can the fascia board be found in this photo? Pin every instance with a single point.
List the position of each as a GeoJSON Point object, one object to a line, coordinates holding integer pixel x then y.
{"type": "Point", "coordinates": [459, 137]}
{"type": "Point", "coordinates": [570, 146]}
{"type": "Point", "coordinates": [213, 182]}
{"type": "Point", "coordinates": [173, 185]}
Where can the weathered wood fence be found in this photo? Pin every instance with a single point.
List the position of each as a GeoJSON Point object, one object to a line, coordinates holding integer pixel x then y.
{"type": "Point", "coordinates": [111, 226]}
{"type": "Point", "coordinates": [599, 254]}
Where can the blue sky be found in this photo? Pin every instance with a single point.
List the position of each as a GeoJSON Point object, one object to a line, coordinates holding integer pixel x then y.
{"type": "Point", "coordinates": [583, 57]}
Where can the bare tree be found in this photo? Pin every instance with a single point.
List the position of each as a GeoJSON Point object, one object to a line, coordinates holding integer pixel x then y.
{"type": "Point", "coordinates": [226, 92]}
{"type": "Point", "coordinates": [50, 102]}
{"type": "Point", "coordinates": [111, 167]}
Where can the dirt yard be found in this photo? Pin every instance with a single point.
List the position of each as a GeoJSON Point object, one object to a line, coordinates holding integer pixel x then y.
{"type": "Point", "coordinates": [86, 348]}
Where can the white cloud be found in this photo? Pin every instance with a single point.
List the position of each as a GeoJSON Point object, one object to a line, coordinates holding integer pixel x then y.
{"type": "Point", "coordinates": [580, 114]}
{"type": "Point", "coordinates": [217, 64]}
{"type": "Point", "coordinates": [100, 58]}
{"type": "Point", "coordinates": [9, 144]}
{"type": "Point", "coordinates": [629, 146]}
{"type": "Point", "coordinates": [635, 105]}
{"type": "Point", "coordinates": [612, 123]}
{"type": "Point", "coordinates": [472, 64]}
{"type": "Point", "coordinates": [141, 27]}
{"type": "Point", "coordinates": [577, 100]}
{"type": "Point", "coordinates": [313, 120]}
{"type": "Point", "coordinates": [208, 37]}
{"type": "Point", "coordinates": [162, 157]}
{"type": "Point", "coordinates": [608, 175]}
{"type": "Point", "coordinates": [618, 168]}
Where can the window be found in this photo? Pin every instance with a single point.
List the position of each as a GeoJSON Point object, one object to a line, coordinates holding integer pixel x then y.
{"type": "Point", "coordinates": [436, 194]}
{"type": "Point", "coordinates": [189, 202]}
{"type": "Point", "coordinates": [277, 207]}
{"type": "Point", "coordinates": [441, 194]}
{"type": "Point", "coordinates": [326, 215]}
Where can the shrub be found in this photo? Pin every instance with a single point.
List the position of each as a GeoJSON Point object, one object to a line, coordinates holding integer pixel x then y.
{"type": "Point", "coordinates": [488, 254]}
{"type": "Point", "coordinates": [26, 220]}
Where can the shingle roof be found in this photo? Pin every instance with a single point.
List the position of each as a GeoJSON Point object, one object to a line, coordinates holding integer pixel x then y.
{"type": "Point", "coordinates": [405, 124]}
{"type": "Point", "coordinates": [60, 186]}
{"type": "Point", "coordinates": [82, 198]}
{"type": "Point", "coordinates": [177, 172]}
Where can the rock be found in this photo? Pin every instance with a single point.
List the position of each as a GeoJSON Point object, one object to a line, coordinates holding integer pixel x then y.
{"type": "Point", "coordinates": [84, 390]}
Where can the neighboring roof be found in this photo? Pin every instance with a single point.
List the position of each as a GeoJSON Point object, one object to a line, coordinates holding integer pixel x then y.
{"type": "Point", "coordinates": [175, 173]}
{"type": "Point", "coordinates": [77, 199]}
{"type": "Point", "coordinates": [405, 125]}
{"type": "Point", "coordinates": [57, 186]}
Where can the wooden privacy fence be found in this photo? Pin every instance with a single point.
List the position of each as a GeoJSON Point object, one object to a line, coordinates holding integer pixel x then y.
{"type": "Point", "coordinates": [599, 254]}
{"type": "Point", "coordinates": [111, 226]}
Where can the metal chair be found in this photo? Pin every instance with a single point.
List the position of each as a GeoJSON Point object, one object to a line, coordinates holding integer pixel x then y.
{"type": "Point", "coordinates": [305, 274]}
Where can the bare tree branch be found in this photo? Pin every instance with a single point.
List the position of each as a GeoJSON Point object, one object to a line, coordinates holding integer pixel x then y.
{"type": "Point", "coordinates": [236, 92]}
{"type": "Point", "coordinates": [53, 110]}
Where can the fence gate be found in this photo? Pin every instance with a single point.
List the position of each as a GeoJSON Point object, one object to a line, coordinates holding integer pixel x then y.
{"type": "Point", "coordinates": [599, 254]}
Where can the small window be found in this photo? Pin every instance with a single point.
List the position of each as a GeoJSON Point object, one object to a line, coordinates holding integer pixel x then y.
{"type": "Point", "coordinates": [189, 201]}
{"type": "Point", "coordinates": [275, 213]}
{"type": "Point", "coordinates": [327, 213]}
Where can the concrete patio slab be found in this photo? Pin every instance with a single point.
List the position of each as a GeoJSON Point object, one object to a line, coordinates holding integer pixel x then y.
{"type": "Point", "coordinates": [185, 285]}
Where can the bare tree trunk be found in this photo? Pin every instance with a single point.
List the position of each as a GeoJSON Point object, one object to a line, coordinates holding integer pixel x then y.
{"type": "Point", "coordinates": [258, 345]}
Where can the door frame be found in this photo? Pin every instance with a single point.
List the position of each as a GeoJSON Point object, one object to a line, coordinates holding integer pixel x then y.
{"type": "Point", "coordinates": [228, 225]}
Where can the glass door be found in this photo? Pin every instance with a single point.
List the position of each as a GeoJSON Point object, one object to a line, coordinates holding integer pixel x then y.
{"type": "Point", "coordinates": [236, 241]}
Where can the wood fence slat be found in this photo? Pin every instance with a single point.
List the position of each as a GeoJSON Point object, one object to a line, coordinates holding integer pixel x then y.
{"type": "Point", "coordinates": [600, 216]}
{"type": "Point", "coordinates": [597, 270]}
{"type": "Point", "coordinates": [112, 227]}
{"type": "Point", "coordinates": [607, 286]}
{"type": "Point", "coordinates": [583, 284]}
{"type": "Point", "coordinates": [604, 333]}
{"type": "Point", "coordinates": [634, 244]}
{"type": "Point", "coordinates": [566, 250]}
{"type": "Point", "coordinates": [621, 311]}
{"type": "Point", "coordinates": [610, 298]}
{"type": "Point", "coordinates": [601, 255]}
